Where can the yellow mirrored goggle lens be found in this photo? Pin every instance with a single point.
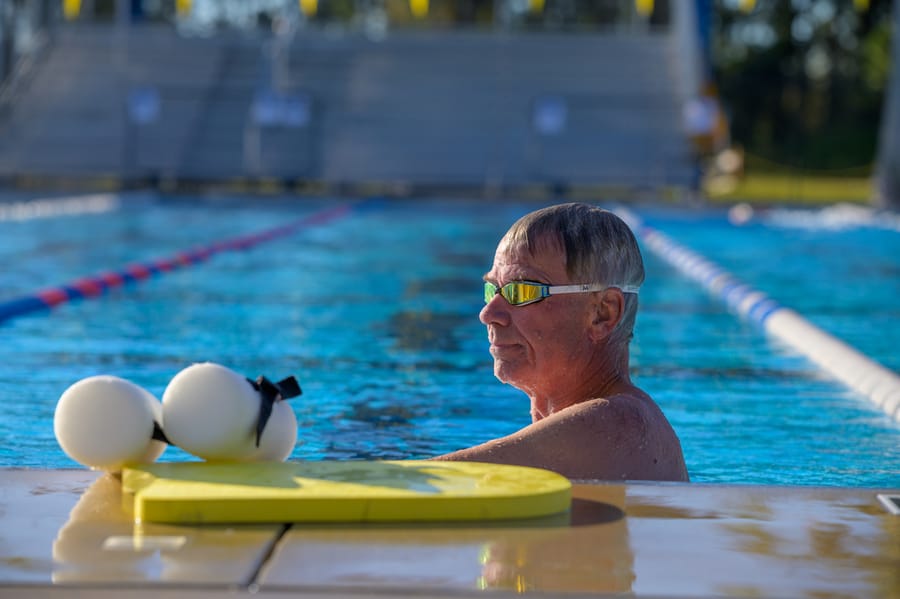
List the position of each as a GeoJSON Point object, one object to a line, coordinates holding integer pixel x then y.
{"type": "Point", "coordinates": [516, 293]}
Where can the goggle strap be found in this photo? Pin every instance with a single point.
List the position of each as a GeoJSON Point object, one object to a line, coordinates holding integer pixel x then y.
{"type": "Point", "coordinates": [559, 289]}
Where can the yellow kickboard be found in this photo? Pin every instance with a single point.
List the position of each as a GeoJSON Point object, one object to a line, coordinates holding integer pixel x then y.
{"type": "Point", "coordinates": [342, 491]}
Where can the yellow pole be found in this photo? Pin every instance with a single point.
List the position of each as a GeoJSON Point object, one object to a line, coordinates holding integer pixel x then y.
{"type": "Point", "coordinates": [536, 6]}
{"type": "Point", "coordinates": [71, 9]}
{"type": "Point", "coordinates": [861, 5]}
{"type": "Point", "coordinates": [747, 5]}
{"type": "Point", "coordinates": [183, 7]}
{"type": "Point", "coordinates": [309, 7]}
{"type": "Point", "coordinates": [418, 8]}
{"type": "Point", "coordinates": [643, 7]}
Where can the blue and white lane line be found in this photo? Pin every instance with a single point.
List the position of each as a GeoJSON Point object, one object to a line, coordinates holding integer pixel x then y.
{"type": "Point", "coordinates": [859, 372]}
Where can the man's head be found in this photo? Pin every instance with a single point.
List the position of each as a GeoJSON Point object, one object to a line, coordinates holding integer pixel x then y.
{"type": "Point", "coordinates": [598, 247]}
{"type": "Point", "coordinates": [567, 244]}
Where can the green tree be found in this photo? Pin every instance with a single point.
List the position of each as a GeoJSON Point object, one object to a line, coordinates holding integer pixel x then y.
{"type": "Point", "coordinates": [803, 80]}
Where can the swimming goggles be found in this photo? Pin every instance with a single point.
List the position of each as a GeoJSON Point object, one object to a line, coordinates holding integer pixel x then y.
{"type": "Point", "coordinates": [521, 293]}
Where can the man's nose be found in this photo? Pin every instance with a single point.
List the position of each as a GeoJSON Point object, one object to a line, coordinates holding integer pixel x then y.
{"type": "Point", "coordinates": [495, 311]}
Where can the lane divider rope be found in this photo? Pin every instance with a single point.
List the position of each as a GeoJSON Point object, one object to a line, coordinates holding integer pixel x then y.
{"type": "Point", "coordinates": [56, 207]}
{"type": "Point", "coordinates": [859, 372]}
{"type": "Point", "coordinates": [96, 284]}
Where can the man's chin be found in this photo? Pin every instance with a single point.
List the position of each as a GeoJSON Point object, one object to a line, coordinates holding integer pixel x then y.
{"type": "Point", "coordinates": [507, 372]}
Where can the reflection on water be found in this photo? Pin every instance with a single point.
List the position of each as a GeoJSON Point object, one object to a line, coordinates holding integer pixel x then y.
{"type": "Point", "coordinates": [100, 543]}
{"type": "Point", "coordinates": [583, 550]}
{"type": "Point", "coordinates": [78, 554]}
{"type": "Point", "coordinates": [590, 553]}
{"type": "Point", "coordinates": [380, 415]}
{"type": "Point", "coordinates": [425, 331]}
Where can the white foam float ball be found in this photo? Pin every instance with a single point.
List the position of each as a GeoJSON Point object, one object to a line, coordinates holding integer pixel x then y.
{"type": "Point", "coordinates": [106, 422]}
{"type": "Point", "coordinates": [279, 436]}
{"type": "Point", "coordinates": [211, 412]}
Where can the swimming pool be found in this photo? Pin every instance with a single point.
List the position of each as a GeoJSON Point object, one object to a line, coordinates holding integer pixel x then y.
{"type": "Point", "coordinates": [376, 313]}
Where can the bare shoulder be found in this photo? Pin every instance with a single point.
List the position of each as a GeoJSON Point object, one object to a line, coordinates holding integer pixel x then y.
{"type": "Point", "coordinates": [623, 415]}
{"type": "Point", "coordinates": [623, 437]}
{"type": "Point", "coordinates": [627, 437]}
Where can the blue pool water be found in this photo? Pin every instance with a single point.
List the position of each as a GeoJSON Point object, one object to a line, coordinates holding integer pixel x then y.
{"type": "Point", "coordinates": [376, 313]}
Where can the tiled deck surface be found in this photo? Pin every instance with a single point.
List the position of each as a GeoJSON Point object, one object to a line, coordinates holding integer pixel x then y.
{"type": "Point", "coordinates": [68, 533]}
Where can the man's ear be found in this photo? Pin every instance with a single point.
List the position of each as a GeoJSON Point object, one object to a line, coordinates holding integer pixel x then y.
{"type": "Point", "coordinates": [608, 309]}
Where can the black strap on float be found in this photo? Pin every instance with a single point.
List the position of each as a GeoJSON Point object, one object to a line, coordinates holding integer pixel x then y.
{"type": "Point", "coordinates": [269, 393]}
{"type": "Point", "coordinates": [158, 434]}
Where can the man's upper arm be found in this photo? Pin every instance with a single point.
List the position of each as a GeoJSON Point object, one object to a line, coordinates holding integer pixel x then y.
{"type": "Point", "coordinates": [569, 442]}
{"type": "Point", "coordinates": [518, 448]}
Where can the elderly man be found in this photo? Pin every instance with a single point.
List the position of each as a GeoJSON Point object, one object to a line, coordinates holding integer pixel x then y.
{"type": "Point", "coordinates": [560, 305]}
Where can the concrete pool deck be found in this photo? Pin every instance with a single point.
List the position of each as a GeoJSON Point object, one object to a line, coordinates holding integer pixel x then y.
{"type": "Point", "coordinates": [69, 533]}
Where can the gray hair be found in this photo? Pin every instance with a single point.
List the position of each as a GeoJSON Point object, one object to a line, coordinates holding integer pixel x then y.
{"type": "Point", "coordinates": [598, 247]}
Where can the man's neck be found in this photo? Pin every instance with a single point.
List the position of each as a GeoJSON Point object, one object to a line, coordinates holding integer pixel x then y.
{"type": "Point", "coordinates": [604, 378]}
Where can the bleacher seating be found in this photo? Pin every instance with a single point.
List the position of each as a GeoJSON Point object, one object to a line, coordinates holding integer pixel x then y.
{"type": "Point", "coordinates": [454, 107]}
